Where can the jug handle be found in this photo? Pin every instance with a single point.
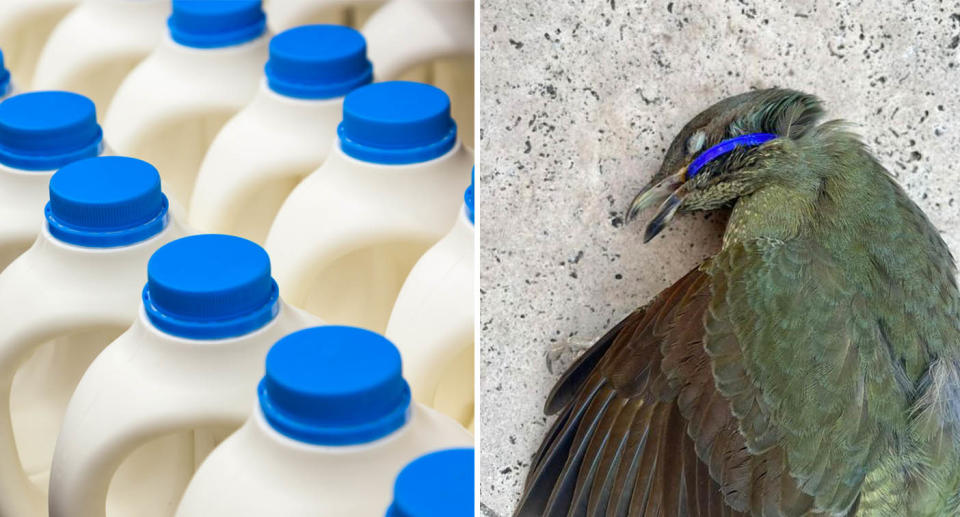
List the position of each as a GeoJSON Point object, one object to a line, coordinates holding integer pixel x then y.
{"type": "Point", "coordinates": [18, 494]}
{"type": "Point", "coordinates": [443, 29]}
{"type": "Point", "coordinates": [425, 366]}
{"type": "Point", "coordinates": [111, 414]}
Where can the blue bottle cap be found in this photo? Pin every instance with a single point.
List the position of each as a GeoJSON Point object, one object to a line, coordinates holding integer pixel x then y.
{"type": "Point", "coordinates": [318, 62]}
{"type": "Point", "coordinates": [106, 202]}
{"type": "Point", "coordinates": [41, 131]}
{"type": "Point", "coordinates": [216, 23]}
{"type": "Point", "coordinates": [210, 287]}
{"type": "Point", "coordinates": [4, 77]}
{"type": "Point", "coordinates": [468, 197]}
{"type": "Point", "coordinates": [440, 484]}
{"type": "Point", "coordinates": [397, 122]}
{"type": "Point", "coordinates": [334, 385]}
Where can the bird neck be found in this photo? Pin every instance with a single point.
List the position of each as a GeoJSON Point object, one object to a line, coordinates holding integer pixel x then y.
{"type": "Point", "coordinates": [841, 201]}
{"type": "Point", "coordinates": [827, 185]}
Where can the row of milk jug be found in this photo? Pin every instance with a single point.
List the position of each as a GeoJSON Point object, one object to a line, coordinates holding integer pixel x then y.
{"type": "Point", "coordinates": [114, 418]}
{"type": "Point", "coordinates": [90, 46]}
{"type": "Point", "coordinates": [262, 153]}
{"type": "Point", "coordinates": [342, 244]}
{"type": "Point", "coordinates": [345, 182]}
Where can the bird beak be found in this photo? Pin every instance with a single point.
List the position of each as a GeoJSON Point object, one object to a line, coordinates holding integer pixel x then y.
{"type": "Point", "coordinates": [665, 214]}
{"type": "Point", "coordinates": [664, 193]}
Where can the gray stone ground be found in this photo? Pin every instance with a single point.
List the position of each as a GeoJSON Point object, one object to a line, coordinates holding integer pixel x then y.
{"type": "Point", "coordinates": [579, 100]}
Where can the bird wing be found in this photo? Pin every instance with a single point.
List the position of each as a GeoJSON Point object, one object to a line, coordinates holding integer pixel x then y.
{"type": "Point", "coordinates": [804, 363]}
{"type": "Point", "coordinates": [643, 430]}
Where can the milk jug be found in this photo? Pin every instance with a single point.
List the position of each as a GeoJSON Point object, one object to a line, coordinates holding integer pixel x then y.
{"type": "Point", "coordinates": [97, 44]}
{"type": "Point", "coordinates": [284, 134]}
{"type": "Point", "coordinates": [334, 425]}
{"type": "Point", "coordinates": [347, 236]}
{"type": "Point", "coordinates": [285, 14]}
{"type": "Point", "coordinates": [432, 322]}
{"type": "Point", "coordinates": [429, 41]}
{"type": "Point", "coordinates": [63, 301]}
{"type": "Point", "coordinates": [169, 108]}
{"type": "Point", "coordinates": [437, 484]}
{"type": "Point", "coordinates": [39, 133]}
{"type": "Point", "coordinates": [24, 28]}
{"type": "Point", "coordinates": [6, 84]}
{"type": "Point", "coordinates": [181, 373]}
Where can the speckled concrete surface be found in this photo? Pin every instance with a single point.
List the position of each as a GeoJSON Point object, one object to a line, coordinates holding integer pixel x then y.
{"type": "Point", "coordinates": [579, 100]}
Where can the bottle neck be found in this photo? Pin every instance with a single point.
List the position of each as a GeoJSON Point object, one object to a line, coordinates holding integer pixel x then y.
{"type": "Point", "coordinates": [340, 455]}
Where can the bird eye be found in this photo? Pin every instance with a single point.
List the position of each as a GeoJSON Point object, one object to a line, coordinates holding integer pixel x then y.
{"type": "Point", "coordinates": [696, 142]}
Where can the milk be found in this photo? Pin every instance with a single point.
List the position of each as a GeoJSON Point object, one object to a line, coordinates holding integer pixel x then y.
{"type": "Point", "coordinates": [263, 152]}
{"type": "Point", "coordinates": [161, 395]}
{"type": "Point", "coordinates": [39, 133]}
{"type": "Point", "coordinates": [428, 41]}
{"type": "Point", "coordinates": [64, 300]}
{"type": "Point", "coordinates": [95, 46]}
{"type": "Point", "coordinates": [24, 28]}
{"type": "Point", "coordinates": [439, 483]}
{"type": "Point", "coordinates": [333, 426]}
{"type": "Point", "coordinates": [432, 322]}
{"type": "Point", "coordinates": [206, 68]}
{"type": "Point", "coordinates": [349, 233]}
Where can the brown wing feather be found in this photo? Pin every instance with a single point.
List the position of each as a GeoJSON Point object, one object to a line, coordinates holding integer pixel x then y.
{"type": "Point", "coordinates": [644, 431]}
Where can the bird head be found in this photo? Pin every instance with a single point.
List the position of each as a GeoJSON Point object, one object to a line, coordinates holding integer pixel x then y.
{"type": "Point", "coordinates": [725, 153]}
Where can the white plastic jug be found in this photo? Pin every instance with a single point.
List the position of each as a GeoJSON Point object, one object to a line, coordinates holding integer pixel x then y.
{"type": "Point", "coordinates": [348, 235]}
{"type": "Point", "coordinates": [263, 152]}
{"type": "Point", "coordinates": [286, 14]}
{"type": "Point", "coordinates": [432, 322]}
{"type": "Point", "coordinates": [39, 133]}
{"type": "Point", "coordinates": [24, 28]}
{"type": "Point", "coordinates": [429, 41]}
{"type": "Point", "coordinates": [333, 427]}
{"type": "Point", "coordinates": [209, 315]}
{"type": "Point", "coordinates": [63, 301]}
{"type": "Point", "coordinates": [97, 44]}
{"type": "Point", "coordinates": [174, 102]}
{"type": "Point", "coordinates": [6, 84]}
{"type": "Point", "coordinates": [439, 483]}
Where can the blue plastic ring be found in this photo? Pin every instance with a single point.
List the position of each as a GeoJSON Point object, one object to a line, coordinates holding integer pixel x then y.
{"type": "Point", "coordinates": [213, 329]}
{"type": "Point", "coordinates": [399, 156]}
{"type": "Point", "coordinates": [725, 147]}
{"type": "Point", "coordinates": [107, 239]}
{"type": "Point", "coordinates": [29, 162]}
{"type": "Point", "coordinates": [340, 435]}
{"type": "Point", "coordinates": [316, 91]}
